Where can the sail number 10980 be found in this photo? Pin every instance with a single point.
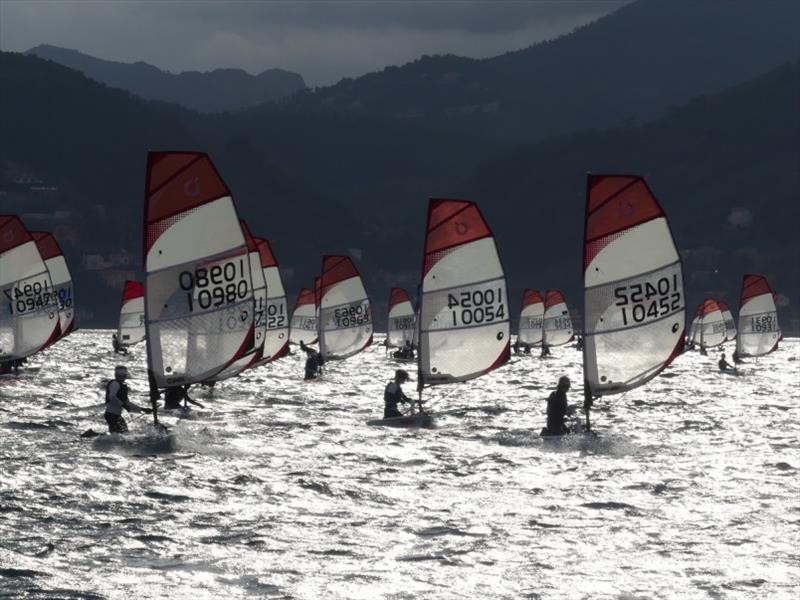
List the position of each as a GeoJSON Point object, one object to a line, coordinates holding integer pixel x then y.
{"type": "Point", "coordinates": [647, 301]}
{"type": "Point", "coordinates": [211, 288]}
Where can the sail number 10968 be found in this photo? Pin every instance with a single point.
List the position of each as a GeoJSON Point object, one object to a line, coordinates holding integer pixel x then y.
{"type": "Point", "coordinates": [476, 307]}
{"type": "Point", "coordinates": [646, 301]}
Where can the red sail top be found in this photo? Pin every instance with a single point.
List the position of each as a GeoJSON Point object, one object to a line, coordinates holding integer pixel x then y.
{"type": "Point", "coordinates": [723, 306]}
{"type": "Point", "coordinates": [531, 297]}
{"type": "Point", "coordinates": [317, 290]}
{"type": "Point", "coordinates": [752, 286]}
{"type": "Point", "coordinates": [396, 296]}
{"type": "Point", "coordinates": [265, 253]}
{"type": "Point", "coordinates": [709, 306]}
{"type": "Point", "coordinates": [334, 270]}
{"type": "Point", "coordinates": [133, 289]}
{"type": "Point", "coordinates": [451, 223]}
{"type": "Point", "coordinates": [248, 237]}
{"type": "Point", "coordinates": [553, 297]}
{"type": "Point", "coordinates": [47, 244]}
{"type": "Point", "coordinates": [12, 233]}
{"type": "Point", "coordinates": [177, 182]}
{"type": "Point", "coordinates": [615, 203]}
{"type": "Point", "coordinates": [306, 296]}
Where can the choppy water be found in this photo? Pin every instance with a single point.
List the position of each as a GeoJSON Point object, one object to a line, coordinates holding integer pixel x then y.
{"type": "Point", "coordinates": [279, 490]}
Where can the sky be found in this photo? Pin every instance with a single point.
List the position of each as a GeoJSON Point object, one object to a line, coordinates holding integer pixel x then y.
{"type": "Point", "coordinates": [322, 40]}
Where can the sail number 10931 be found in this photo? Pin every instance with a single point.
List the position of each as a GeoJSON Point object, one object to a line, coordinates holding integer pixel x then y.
{"type": "Point", "coordinates": [213, 287]}
{"type": "Point", "coordinates": [476, 307]}
{"type": "Point", "coordinates": [647, 301]}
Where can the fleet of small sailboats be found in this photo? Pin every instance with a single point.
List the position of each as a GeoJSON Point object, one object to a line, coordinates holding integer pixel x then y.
{"type": "Point", "coordinates": [213, 306]}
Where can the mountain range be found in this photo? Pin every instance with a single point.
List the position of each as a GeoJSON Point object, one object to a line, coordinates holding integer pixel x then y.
{"type": "Point", "coordinates": [353, 174]}
{"type": "Point", "coordinates": [214, 91]}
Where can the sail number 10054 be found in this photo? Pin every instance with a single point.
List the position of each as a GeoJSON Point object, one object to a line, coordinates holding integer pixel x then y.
{"type": "Point", "coordinates": [215, 286]}
{"type": "Point", "coordinates": [647, 301]}
{"type": "Point", "coordinates": [476, 307]}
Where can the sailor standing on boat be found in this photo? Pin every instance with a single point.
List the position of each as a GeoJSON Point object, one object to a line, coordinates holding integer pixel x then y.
{"type": "Point", "coordinates": [314, 362]}
{"type": "Point", "coordinates": [117, 399]}
{"type": "Point", "coordinates": [393, 395]}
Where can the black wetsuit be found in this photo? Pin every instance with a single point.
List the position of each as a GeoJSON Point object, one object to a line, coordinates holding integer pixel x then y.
{"type": "Point", "coordinates": [392, 396]}
{"type": "Point", "coordinates": [173, 397]}
{"type": "Point", "coordinates": [723, 365]}
{"type": "Point", "coordinates": [116, 423]}
{"type": "Point", "coordinates": [313, 363]}
{"type": "Point", "coordinates": [557, 410]}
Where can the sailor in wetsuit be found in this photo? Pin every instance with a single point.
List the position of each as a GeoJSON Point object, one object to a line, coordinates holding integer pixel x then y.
{"type": "Point", "coordinates": [117, 399]}
{"type": "Point", "coordinates": [545, 350]}
{"type": "Point", "coordinates": [724, 365]}
{"type": "Point", "coordinates": [406, 352]}
{"type": "Point", "coordinates": [118, 348]}
{"type": "Point", "coordinates": [314, 362]}
{"type": "Point", "coordinates": [393, 395]}
{"type": "Point", "coordinates": [737, 360]}
{"type": "Point", "coordinates": [558, 409]}
{"type": "Point", "coordinates": [174, 395]}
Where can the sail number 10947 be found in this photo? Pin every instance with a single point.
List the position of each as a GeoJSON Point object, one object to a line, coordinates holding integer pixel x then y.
{"type": "Point", "coordinates": [640, 302]}
{"type": "Point", "coordinates": [476, 307]}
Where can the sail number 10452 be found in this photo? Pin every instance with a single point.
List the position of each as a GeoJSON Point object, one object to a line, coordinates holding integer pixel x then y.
{"type": "Point", "coordinates": [476, 307]}
{"type": "Point", "coordinates": [641, 302]}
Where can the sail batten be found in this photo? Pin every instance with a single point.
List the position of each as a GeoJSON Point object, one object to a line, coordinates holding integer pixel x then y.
{"type": "Point", "coordinates": [464, 325]}
{"type": "Point", "coordinates": [198, 290]}
{"type": "Point", "coordinates": [634, 308]}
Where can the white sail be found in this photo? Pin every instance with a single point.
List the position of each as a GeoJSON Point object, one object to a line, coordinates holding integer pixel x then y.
{"type": "Point", "coordinates": [61, 279]}
{"type": "Point", "coordinates": [303, 327]}
{"type": "Point", "coordinates": [712, 324]}
{"type": "Point", "coordinates": [253, 354]}
{"type": "Point", "coordinates": [131, 314]}
{"type": "Point", "coordinates": [634, 302]}
{"type": "Point", "coordinates": [730, 323]}
{"type": "Point", "coordinates": [401, 321]}
{"type": "Point", "coordinates": [276, 343]}
{"type": "Point", "coordinates": [531, 318]}
{"type": "Point", "coordinates": [28, 306]}
{"type": "Point", "coordinates": [693, 337]}
{"type": "Point", "coordinates": [759, 332]}
{"type": "Point", "coordinates": [345, 315]}
{"type": "Point", "coordinates": [198, 292]}
{"type": "Point", "coordinates": [464, 318]}
{"type": "Point", "coordinates": [557, 327]}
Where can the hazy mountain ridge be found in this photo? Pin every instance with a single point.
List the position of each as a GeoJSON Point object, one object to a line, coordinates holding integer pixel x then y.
{"type": "Point", "coordinates": [622, 68]}
{"type": "Point", "coordinates": [213, 91]}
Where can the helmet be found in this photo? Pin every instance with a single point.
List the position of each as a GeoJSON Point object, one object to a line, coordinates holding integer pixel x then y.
{"type": "Point", "coordinates": [401, 375]}
{"type": "Point", "coordinates": [563, 381]}
{"type": "Point", "coordinates": [121, 371]}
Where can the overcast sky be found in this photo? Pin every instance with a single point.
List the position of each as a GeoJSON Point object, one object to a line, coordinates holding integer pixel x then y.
{"type": "Point", "coordinates": [322, 40]}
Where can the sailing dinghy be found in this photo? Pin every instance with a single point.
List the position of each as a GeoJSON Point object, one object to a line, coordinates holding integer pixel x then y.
{"type": "Point", "coordinates": [131, 314]}
{"type": "Point", "coordinates": [29, 318]}
{"type": "Point", "coordinates": [759, 332]}
{"type": "Point", "coordinates": [401, 321]}
{"type": "Point", "coordinates": [712, 325]}
{"type": "Point", "coordinates": [345, 315]}
{"type": "Point", "coordinates": [557, 323]}
{"type": "Point", "coordinates": [531, 319]}
{"type": "Point", "coordinates": [634, 307]}
{"type": "Point", "coordinates": [276, 343]}
{"type": "Point", "coordinates": [464, 327]}
{"type": "Point", "coordinates": [61, 279]}
{"type": "Point", "coordinates": [252, 354]}
{"type": "Point", "coordinates": [304, 319]}
{"type": "Point", "coordinates": [198, 290]}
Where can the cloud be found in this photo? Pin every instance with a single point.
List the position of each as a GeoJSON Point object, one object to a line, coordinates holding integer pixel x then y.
{"type": "Point", "coordinates": [740, 217]}
{"type": "Point", "coordinates": [323, 41]}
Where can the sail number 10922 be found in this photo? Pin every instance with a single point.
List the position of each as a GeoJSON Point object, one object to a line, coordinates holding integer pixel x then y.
{"type": "Point", "coordinates": [647, 301]}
